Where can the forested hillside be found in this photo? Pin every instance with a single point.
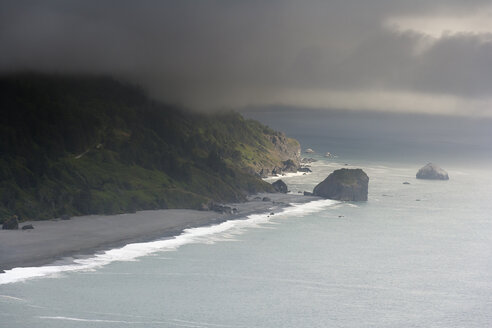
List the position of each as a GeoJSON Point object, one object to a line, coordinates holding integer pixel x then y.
{"type": "Point", "coordinates": [89, 145]}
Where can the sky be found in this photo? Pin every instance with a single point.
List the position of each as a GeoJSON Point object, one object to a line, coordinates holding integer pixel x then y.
{"type": "Point", "coordinates": [377, 55]}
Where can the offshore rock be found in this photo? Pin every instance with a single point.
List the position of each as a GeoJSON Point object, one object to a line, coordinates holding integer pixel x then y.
{"type": "Point", "coordinates": [280, 186]}
{"type": "Point", "coordinates": [344, 184]}
{"type": "Point", "coordinates": [432, 172]}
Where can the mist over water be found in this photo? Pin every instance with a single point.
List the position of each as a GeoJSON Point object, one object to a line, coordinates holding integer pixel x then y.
{"type": "Point", "coordinates": [402, 138]}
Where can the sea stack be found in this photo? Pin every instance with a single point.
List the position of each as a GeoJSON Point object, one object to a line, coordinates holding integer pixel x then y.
{"type": "Point", "coordinates": [432, 172]}
{"type": "Point", "coordinates": [344, 184]}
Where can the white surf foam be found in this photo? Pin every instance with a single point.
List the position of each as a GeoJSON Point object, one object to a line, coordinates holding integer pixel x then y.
{"type": "Point", "coordinates": [209, 234]}
{"type": "Point", "coordinates": [12, 298]}
{"type": "Point", "coordinates": [286, 175]}
{"type": "Point", "coordinates": [88, 320]}
{"type": "Point", "coordinates": [110, 321]}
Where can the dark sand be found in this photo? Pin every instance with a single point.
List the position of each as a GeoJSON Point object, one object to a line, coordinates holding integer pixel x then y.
{"type": "Point", "coordinates": [54, 240]}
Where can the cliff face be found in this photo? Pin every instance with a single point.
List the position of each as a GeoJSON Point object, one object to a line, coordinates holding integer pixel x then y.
{"type": "Point", "coordinates": [287, 148]}
{"type": "Point", "coordinates": [87, 145]}
{"type": "Point", "coordinates": [284, 155]}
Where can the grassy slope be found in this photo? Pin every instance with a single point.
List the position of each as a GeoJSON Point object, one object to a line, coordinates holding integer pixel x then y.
{"type": "Point", "coordinates": [86, 145]}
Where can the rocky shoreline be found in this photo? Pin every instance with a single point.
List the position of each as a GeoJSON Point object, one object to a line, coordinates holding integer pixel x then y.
{"type": "Point", "coordinates": [54, 240]}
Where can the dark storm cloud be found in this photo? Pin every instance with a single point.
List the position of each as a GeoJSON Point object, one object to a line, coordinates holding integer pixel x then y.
{"type": "Point", "coordinates": [209, 54]}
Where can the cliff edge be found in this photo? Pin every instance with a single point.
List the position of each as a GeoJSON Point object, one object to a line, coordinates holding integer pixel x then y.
{"type": "Point", "coordinates": [77, 145]}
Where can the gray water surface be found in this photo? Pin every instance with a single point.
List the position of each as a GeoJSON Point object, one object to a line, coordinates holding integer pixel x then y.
{"type": "Point", "coordinates": [394, 261]}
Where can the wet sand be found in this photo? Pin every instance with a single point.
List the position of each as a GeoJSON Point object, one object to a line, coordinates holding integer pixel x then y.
{"type": "Point", "coordinates": [55, 240]}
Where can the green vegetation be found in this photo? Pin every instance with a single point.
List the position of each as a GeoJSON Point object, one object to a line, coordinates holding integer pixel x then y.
{"type": "Point", "coordinates": [90, 145]}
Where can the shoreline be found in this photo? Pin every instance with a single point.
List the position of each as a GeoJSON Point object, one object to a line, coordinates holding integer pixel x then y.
{"type": "Point", "coordinates": [56, 240]}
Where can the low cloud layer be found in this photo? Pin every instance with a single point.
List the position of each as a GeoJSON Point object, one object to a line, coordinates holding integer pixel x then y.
{"type": "Point", "coordinates": [390, 55]}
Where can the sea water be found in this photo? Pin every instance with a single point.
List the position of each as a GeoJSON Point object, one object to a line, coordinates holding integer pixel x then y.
{"type": "Point", "coordinates": [413, 255]}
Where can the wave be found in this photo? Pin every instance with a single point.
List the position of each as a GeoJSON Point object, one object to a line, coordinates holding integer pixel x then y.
{"type": "Point", "coordinates": [112, 321]}
{"type": "Point", "coordinates": [90, 320]}
{"type": "Point", "coordinates": [286, 175]}
{"type": "Point", "coordinates": [12, 298]}
{"type": "Point", "coordinates": [224, 231]}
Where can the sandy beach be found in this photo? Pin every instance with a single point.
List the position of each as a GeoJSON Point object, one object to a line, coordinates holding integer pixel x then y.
{"type": "Point", "coordinates": [55, 240]}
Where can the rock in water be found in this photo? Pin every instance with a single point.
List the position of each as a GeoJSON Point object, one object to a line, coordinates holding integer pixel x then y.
{"type": "Point", "coordinates": [280, 186]}
{"type": "Point", "coordinates": [11, 223]}
{"type": "Point", "coordinates": [432, 172]}
{"type": "Point", "coordinates": [27, 227]}
{"type": "Point", "coordinates": [344, 184]}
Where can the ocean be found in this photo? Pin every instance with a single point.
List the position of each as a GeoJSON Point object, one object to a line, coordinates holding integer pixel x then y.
{"type": "Point", "coordinates": [413, 255]}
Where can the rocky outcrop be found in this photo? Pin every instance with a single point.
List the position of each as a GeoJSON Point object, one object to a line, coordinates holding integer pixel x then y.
{"type": "Point", "coordinates": [280, 186]}
{"type": "Point", "coordinates": [284, 156]}
{"type": "Point", "coordinates": [11, 223]}
{"type": "Point", "coordinates": [222, 209]}
{"type": "Point", "coordinates": [330, 155]}
{"type": "Point", "coordinates": [344, 184]}
{"type": "Point", "coordinates": [432, 172]}
{"type": "Point", "coordinates": [308, 160]}
{"type": "Point", "coordinates": [290, 166]}
{"type": "Point", "coordinates": [287, 166]}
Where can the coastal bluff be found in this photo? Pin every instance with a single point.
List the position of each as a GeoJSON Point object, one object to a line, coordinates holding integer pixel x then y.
{"type": "Point", "coordinates": [76, 145]}
{"type": "Point", "coordinates": [432, 172]}
{"type": "Point", "coordinates": [344, 184]}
